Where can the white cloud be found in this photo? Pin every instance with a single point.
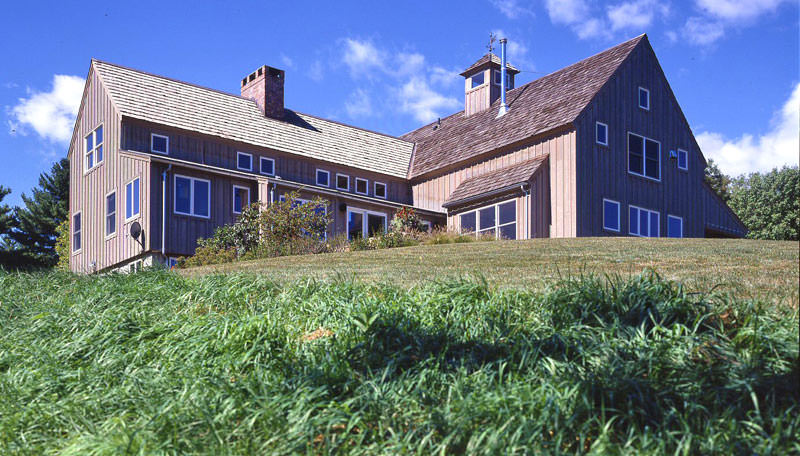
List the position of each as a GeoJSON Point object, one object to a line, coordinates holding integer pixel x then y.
{"type": "Point", "coordinates": [567, 11]}
{"type": "Point", "coordinates": [517, 51]}
{"type": "Point", "coordinates": [749, 153]}
{"type": "Point", "coordinates": [50, 114]}
{"type": "Point", "coordinates": [362, 56]}
{"type": "Point", "coordinates": [512, 9]}
{"type": "Point", "coordinates": [703, 32]}
{"type": "Point", "coordinates": [286, 61]}
{"type": "Point", "coordinates": [359, 104]}
{"type": "Point", "coordinates": [444, 77]}
{"type": "Point", "coordinates": [425, 104]}
{"type": "Point", "coordinates": [410, 63]}
{"type": "Point", "coordinates": [738, 10]}
{"type": "Point", "coordinates": [315, 72]}
{"type": "Point", "coordinates": [638, 14]}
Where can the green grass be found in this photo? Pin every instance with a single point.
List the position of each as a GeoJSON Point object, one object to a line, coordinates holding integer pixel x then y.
{"type": "Point", "coordinates": [766, 270]}
{"type": "Point", "coordinates": [237, 364]}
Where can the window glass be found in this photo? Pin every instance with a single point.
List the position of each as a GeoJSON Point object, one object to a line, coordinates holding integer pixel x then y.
{"type": "Point", "coordinates": [244, 161]}
{"type": "Point", "coordinates": [477, 80]}
{"type": "Point", "coordinates": [635, 154]}
{"type": "Point", "coordinates": [342, 182]}
{"type": "Point", "coordinates": [132, 199]}
{"type": "Point", "coordinates": [380, 190]}
{"type": "Point", "coordinates": [653, 224]}
{"type": "Point", "coordinates": [652, 159]}
{"type": "Point", "coordinates": [674, 227]}
{"type": "Point", "coordinates": [99, 153]}
{"type": "Point", "coordinates": [508, 231]}
{"type": "Point", "coordinates": [633, 218]}
{"type": "Point", "coordinates": [361, 185]}
{"type": "Point", "coordinates": [201, 197]}
{"type": "Point", "coordinates": [90, 160]}
{"type": "Point", "coordinates": [267, 166]}
{"type": "Point", "coordinates": [183, 190]}
{"type": "Point", "coordinates": [468, 222]}
{"type": "Point", "coordinates": [602, 133]}
{"type": "Point", "coordinates": [241, 199]}
{"type": "Point", "coordinates": [98, 135]}
{"type": "Point", "coordinates": [644, 98]}
{"type": "Point", "coordinates": [76, 232]}
{"type": "Point", "coordinates": [159, 144]}
{"type": "Point", "coordinates": [683, 159]}
{"type": "Point", "coordinates": [376, 224]}
{"type": "Point", "coordinates": [355, 225]}
{"type": "Point", "coordinates": [643, 223]}
{"type": "Point", "coordinates": [487, 218]}
{"type": "Point", "coordinates": [507, 212]}
{"type": "Point", "coordinates": [111, 214]}
{"type": "Point", "coordinates": [611, 215]}
{"type": "Point", "coordinates": [89, 142]}
{"type": "Point", "coordinates": [322, 178]}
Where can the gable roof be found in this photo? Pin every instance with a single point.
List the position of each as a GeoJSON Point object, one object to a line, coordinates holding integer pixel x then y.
{"type": "Point", "coordinates": [496, 181]}
{"type": "Point", "coordinates": [486, 61]}
{"type": "Point", "coordinates": [539, 106]}
{"type": "Point", "coordinates": [165, 101]}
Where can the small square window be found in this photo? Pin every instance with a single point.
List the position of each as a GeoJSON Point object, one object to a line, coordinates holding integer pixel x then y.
{"type": "Point", "coordinates": [611, 215]}
{"type": "Point", "coordinates": [244, 161]}
{"type": "Point", "coordinates": [601, 133]}
{"type": "Point", "coordinates": [343, 182]}
{"type": "Point", "coordinates": [362, 186]}
{"type": "Point", "coordinates": [159, 144]}
{"type": "Point", "coordinates": [379, 190]}
{"type": "Point", "coordinates": [267, 166]}
{"type": "Point", "coordinates": [323, 178]}
{"type": "Point", "coordinates": [683, 159]}
{"type": "Point", "coordinates": [644, 98]}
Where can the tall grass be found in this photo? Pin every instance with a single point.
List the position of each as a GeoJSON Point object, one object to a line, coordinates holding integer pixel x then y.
{"type": "Point", "coordinates": [157, 363]}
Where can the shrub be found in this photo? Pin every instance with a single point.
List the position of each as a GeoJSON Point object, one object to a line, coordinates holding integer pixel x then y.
{"type": "Point", "coordinates": [406, 221]}
{"type": "Point", "coordinates": [62, 245]}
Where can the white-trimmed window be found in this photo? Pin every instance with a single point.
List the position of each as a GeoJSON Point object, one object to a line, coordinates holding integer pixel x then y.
{"type": "Point", "coordinates": [379, 190]}
{"type": "Point", "coordinates": [644, 98]}
{"type": "Point", "coordinates": [342, 182]}
{"type": "Point", "coordinates": [644, 156]}
{"type": "Point", "coordinates": [192, 196]}
{"type": "Point", "coordinates": [611, 215]}
{"type": "Point", "coordinates": [498, 79]}
{"type": "Point", "coordinates": [94, 148]}
{"type": "Point", "coordinates": [323, 178]}
{"type": "Point", "coordinates": [478, 79]}
{"type": "Point", "coordinates": [601, 133]}
{"type": "Point", "coordinates": [76, 232]}
{"type": "Point", "coordinates": [159, 144]}
{"type": "Point", "coordinates": [132, 198]}
{"type": "Point", "coordinates": [674, 226]}
{"type": "Point", "coordinates": [266, 166]}
{"type": "Point", "coordinates": [364, 223]}
{"type": "Point", "coordinates": [498, 220]}
{"type": "Point", "coordinates": [362, 186]}
{"type": "Point", "coordinates": [643, 222]}
{"type": "Point", "coordinates": [111, 214]}
{"type": "Point", "coordinates": [683, 160]}
{"type": "Point", "coordinates": [241, 198]}
{"type": "Point", "coordinates": [244, 161]}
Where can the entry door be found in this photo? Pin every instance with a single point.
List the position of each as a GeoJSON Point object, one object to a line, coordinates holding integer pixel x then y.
{"type": "Point", "coordinates": [364, 223]}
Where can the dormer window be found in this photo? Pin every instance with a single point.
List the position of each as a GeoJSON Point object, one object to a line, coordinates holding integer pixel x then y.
{"type": "Point", "coordinates": [477, 80]}
{"type": "Point", "coordinates": [644, 98]}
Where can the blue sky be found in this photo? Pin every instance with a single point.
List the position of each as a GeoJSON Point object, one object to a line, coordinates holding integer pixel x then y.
{"type": "Point", "coordinates": [733, 64]}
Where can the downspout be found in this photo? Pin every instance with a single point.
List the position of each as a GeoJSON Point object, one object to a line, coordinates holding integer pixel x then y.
{"type": "Point", "coordinates": [164, 211]}
{"type": "Point", "coordinates": [527, 212]}
{"type": "Point", "coordinates": [503, 108]}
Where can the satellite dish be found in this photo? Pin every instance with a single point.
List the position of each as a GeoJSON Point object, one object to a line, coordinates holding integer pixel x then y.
{"type": "Point", "coordinates": [136, 230]}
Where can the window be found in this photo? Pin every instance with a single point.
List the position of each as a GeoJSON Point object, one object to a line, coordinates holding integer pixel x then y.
{"type": "Point", "coordinates": [498, 78]}
{"type": "Point", "coordinates": [477, 80]}
{"type": "Point", "coordinates": [76, 232]}
{"type": "Point", "coordinates": [111, 213]}
{"type": "Point", "coordinates": [674, 226]}
{"type": "Point", "coordinates": [267, 166]}
{"type": "Point", "coordinates": [172, 262]}
{"type": "Point", "coordinates": [644, 157]}
{"type": "Point", "coordinates": [241, 198]}
{"type": "Point", "coordinates": [362, 186]}
{"type": "Point", "coordinates": [379, 190]}
{"type": "Point", "coordinates": [644, 98]}
{"type": "Point", "coordinates": [643, 222]}
{"type": "Point", "coordinates": [364, 223]}
{"type": "Point", "coordinates": [610, 215]}
{"type": "Point", "coordinates": [132, 199]}
{"type": "Point", "coordinates": [244, 161]}
{"type": "Point", "coordinates": [426, 226]}
{"type": "Point", "coordinates": [498, 220]}
{"type": "Point", "coordinates": [94, 148]}
{"type": "Point", "coordinates": [342, 182]}
{"type": "Point", "coordinates": [601, 133]}
{"type": "Point", "coordinates": [683, 160]}
{"type": "Point", "coordinates": [323, 178]}
{"type": "Point", "coordinates": [192, 196]}
{"type": "Point", "coordinates": [159, 144]}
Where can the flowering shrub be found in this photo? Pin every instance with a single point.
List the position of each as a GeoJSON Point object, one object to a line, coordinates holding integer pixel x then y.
{"type": "Point", "coordinates": [406, 221]}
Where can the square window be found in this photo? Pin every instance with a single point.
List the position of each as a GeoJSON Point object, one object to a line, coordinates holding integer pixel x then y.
{"type": "Point", "coordinates": [192, 196]}
{"type": "Point", "coordinates": [362, 186]}
{"type": "Point", "coordinates": [683, 159]}
{"type": "Point", "coordinates": [644, 98]}
{"type": "Point", "coordinates": [601, 133]}
{"type": "Point", "coordinates": [244, 161]}
{"type": "Point", "coordinates": [241, 198]}
{"type": "Point", "coordinates": [267, 166]}
{"type": "Point", "coordinates": [611, 215]}
{"type": "Point", "coordinates": [323, 178]}
{"type": "Point", "coordinates": [343, 182]}
{"type": "Point", "coordinates": [379, 190]}
{"type": "Point", "coordinates": [159, 144]}
{"type": "Point", "coordinates": [132, 199]}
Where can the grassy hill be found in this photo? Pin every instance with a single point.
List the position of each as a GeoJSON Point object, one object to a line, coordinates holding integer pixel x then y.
{"type": "Point", "coordinates": [750, 269]}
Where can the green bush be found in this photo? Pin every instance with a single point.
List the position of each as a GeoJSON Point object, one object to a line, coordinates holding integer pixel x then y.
{"type": "Point", "coordinates": [768, 203]}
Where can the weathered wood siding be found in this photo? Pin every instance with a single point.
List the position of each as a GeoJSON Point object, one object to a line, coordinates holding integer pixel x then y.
{"type": "Point", "coordinates": [719, 219]}
{"type": "Point", "coordinates": [479, 98]}
{"type": "Point", "coordinates": [431, 192]}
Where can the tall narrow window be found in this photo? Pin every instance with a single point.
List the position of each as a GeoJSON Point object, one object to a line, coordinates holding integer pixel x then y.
{"type": "Point", "coordinates": [267, 166]}
{"type": "Point", "coordinates": [323, 178]}
{"type": "Point", "coordinates": [159, 144]}
{"type": "Point", "coordinates": [379, 190]}
{"type": "Point", "coordinates": [610, 215]}
{"type": "Point", "coordinates": [76, 232]}
{"type": "Point", "coordinates": [644, 98]}
{"type": "Point", "coordinates": [94, 148]}
{"type": "Point", "coordinates": [643, 222]}
{"type": "Point", "coordinates": [674, 226]}
{"type": "Point", "coordinates": [601, 133]}
{"type": "Point", "coordinates": [644, 157]}
{"type": "Point", "coordinates": [244, 161]}
{"type": "Point", "coordinates": [241, 198]}
{"type": "Point", "coordinates": [111, 213]}
{"type": "Point", "coordinates": [683, 159]}
{"type": "Point", "coordinates": [192, 196]}
{"type": "Point", "coordinates": [132, 199]}
{"type": "Point", "coordinates": [362, 186]}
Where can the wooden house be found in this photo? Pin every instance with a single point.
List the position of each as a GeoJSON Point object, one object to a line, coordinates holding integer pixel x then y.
{"type": "Point", "coordinates": [599, 148]}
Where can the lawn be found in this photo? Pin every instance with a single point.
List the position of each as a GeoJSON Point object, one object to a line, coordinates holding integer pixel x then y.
{"type": "Point", "coordinates": [750, 269]}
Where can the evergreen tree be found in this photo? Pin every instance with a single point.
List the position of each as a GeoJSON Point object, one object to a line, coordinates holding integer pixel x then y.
{"type": "Point", "coordinates": [718, 181]}
{"type": "Point", "coordinates": [36, 223]}
{"type": "Point", "coordinates": [6, 215]}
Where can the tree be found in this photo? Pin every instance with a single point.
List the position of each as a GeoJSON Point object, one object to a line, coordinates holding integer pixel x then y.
{"type": "Point", "coordinates": [769, 203]}
{"type": "Point", "coordinates": [718, 181]}
{"type": "Point", "coordinates": [36, 223]}
{"type": "Point", "coordinates": [6, 214]}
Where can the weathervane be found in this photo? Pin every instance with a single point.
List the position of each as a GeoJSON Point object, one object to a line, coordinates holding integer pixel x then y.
{"type": "Point", "coordinates": [492, 39]}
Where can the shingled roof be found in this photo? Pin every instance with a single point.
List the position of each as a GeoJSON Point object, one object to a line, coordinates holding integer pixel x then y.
{"type": "Point", "coordinates": [485, 60]}
{"type": "Point", "coordinates": [498, 180]}
{"type": "Point", "coordinates": [186, 106]}
{"type": "Point", "coordinates": [539, 106]}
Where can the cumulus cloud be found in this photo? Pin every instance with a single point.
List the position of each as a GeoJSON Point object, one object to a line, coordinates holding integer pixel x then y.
{"type": "Point", "coordinates": [702, 32]}
{"type": "Point", "coordinates": [636, 14]}
{"type": "Point", "coordinates": [719, 15]}
{"type": "Point", "coordinates": [750, 153]}
{"type": "Point", "coordinates": [418, 99]}
{"type": "Point", "coordinates": [286, 61]}
{"type": "Point", "coordinates": [50, 114]}
{"type": "Point", "coordinates": [362, 56]}
{"type": "Point", "coordinates": [517, 51]}
{"type": "Point", "coordinates": [316, 72]}
{"type": "Point", "coordinates": [590, 22]}
{"type": "Point", "coordinates": [358, 104]}
{"type": "Point", "coordinates": [512, 8]}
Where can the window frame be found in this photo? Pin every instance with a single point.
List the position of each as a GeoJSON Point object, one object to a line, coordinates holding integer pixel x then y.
{"type": "Point", "coordinates": [385, 190]}
{"type": "Point", "coordinates": [644, 156]}
{"type": "Point", "coordinates": [139, 213]}
{"type": "Point", "coordinates": [261, 167]}
{"type": "Point", "coordinates": [596, 136]}
{"type": "Point", "coordinates": [619, 215]}
{"type": "Point", "coordinates": [472, 85]}
{"type": "Point", "coordinates": [670, 216]}
{"type": "Point", "coordinates": [250, 156]}
{"type": "Point", "coordinates": [348, 182]}
{"type": "Point", "coordinates": [233, 206]}
{"type": "Point", "coordinates": [191, 196]}
{"type": "Point", "coordinates": [316, 177]}
{"type": "Point", "coordinates": [497, 225]}
{"type": "Point", "coordinates": [639, 98]}
{"type": "Point", "coordinates": [156, 135]}
{"type": "Point", "coordinates": [686, 154]}
{"type": "Point", "coordinates": [366, 186]}
{"type": "Point", "coordinates": [78, 233]}
{"type": "Point", "coordinates": [497, 79]}
{"type": "Point", "coordinates": [107, 215]}
{"type": "Point", "coordinates": [638, 218]}
{"type": "Point", "coordinates": [364, 225]}
{"type": "Point", "coordinates": [93, 151]}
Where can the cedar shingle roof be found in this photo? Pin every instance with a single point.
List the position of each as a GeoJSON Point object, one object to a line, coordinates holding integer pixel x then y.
{"type": "Point", "coordinates": [182, 105]}
{"type": "Point", "coordinates": [549, 102]}
{"type": "Point", "coordinates": [504, 178]}
{"type": "Point", "coordinates": [484, 61]}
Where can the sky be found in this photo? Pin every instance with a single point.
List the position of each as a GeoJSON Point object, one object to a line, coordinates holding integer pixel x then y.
{"type": "Point", "coordinates": [734, 65]}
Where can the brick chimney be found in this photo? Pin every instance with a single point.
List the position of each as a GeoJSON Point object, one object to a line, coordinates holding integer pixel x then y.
{"type": "Point", "coordinates": [265, 87]}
